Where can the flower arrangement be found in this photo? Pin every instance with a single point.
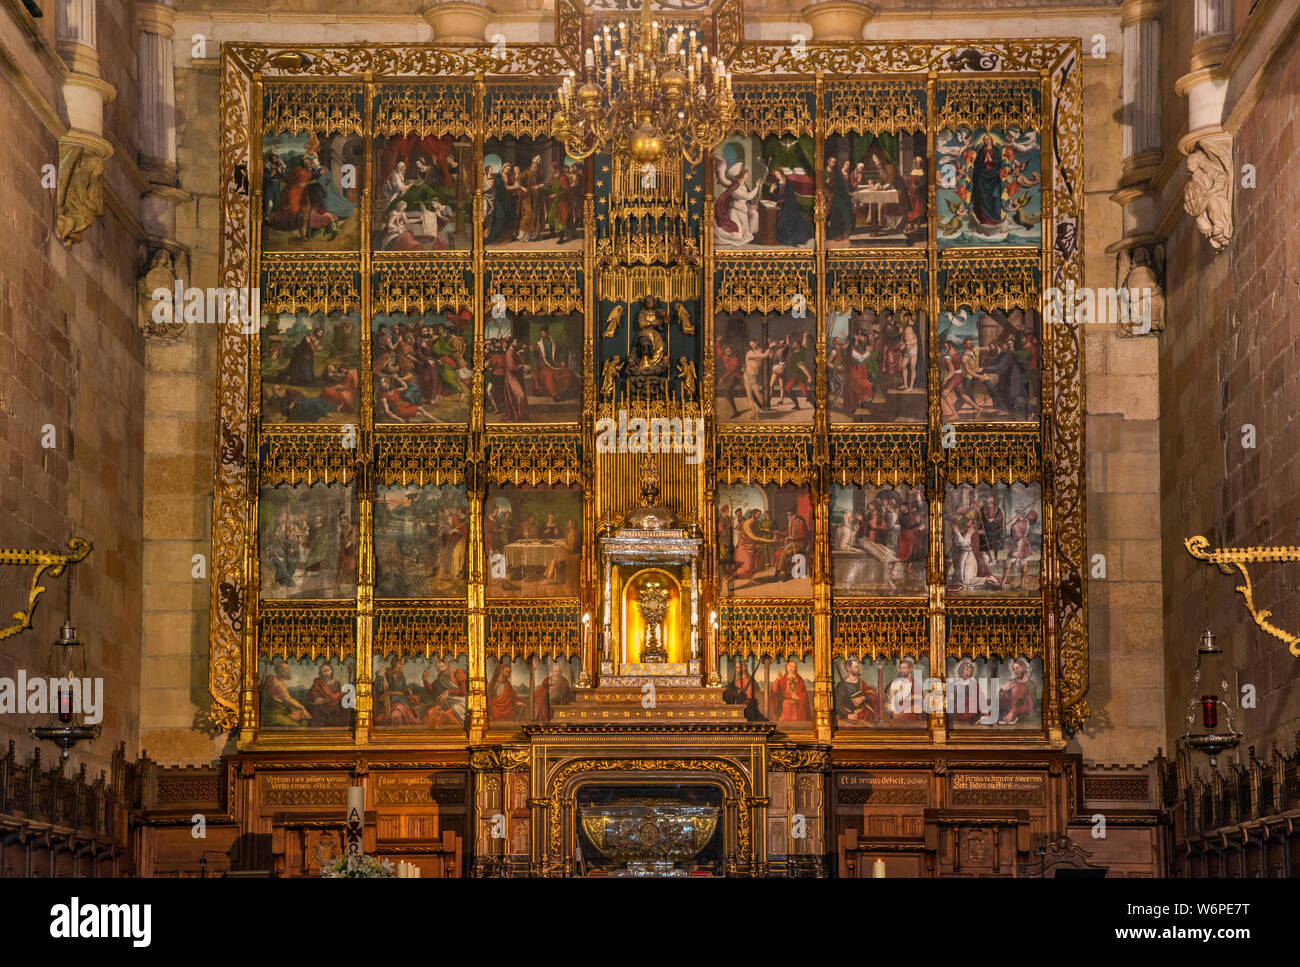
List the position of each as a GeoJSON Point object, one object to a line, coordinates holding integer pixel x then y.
{"type": "Point", "coordinates": [361, 867]}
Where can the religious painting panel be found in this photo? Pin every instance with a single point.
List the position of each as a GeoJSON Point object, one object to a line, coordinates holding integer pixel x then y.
{"type": "Point", "coordinates": [876, 189]}
{"type": "Point", "coordinates": [772, 690]}
{"type": "Point", "coordinates": [533, 540]}
{"type": "Point", "coordinates": [422, 366]}
{"type": "Point", "coordinates": [879, 539]}
{"type": "Point", "coordinates": [876, 366]}
{"type": "Point", "coordinates": [994, 693]}
{"type": "Point", "coordinates": [529, 689]}
{"type": "Point", "coordinates": [421, 541]}
{"type": "Point", "coordinates": [534, 368]}
{"type": "Point", "coordinates": [886, 694]}
{"type": "Point", "coordinates": [993, 538]}
{"type": "Point", "coordinates": [311, 196]}
{"type": "Point", "coordinates": [764, 540]}
{"type": "Point", "coordinates": [424, 194]}
{"type": "Point", "coordinates": [420, 692]}
{"type": "Point", "coordinates": [307, 537]}
{"type": "Point", "coordinates": [305, 693]}
{"type": "Point", "coordinates": [990, 187]}
{"type": "Point", "coordinates": [990, 364]}
{"type": "Point", "coordinates": [763, 191]}
{"type": "Point", "coordinates": [533, 194]}
{"type": "Point", "coordinates": [310, 366]}
{"type": "Point", "coordinates": [765, 368]}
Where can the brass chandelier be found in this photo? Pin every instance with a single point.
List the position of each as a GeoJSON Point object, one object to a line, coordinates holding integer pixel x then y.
{"type": "Point", "coordinates": [646, 91]}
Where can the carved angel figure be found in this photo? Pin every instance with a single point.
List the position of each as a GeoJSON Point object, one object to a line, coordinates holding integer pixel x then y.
{"type": "Point", "coordinates": [612, 320]}
{"type": "Point", "coordinates": [686, 373]}
{"type": "Point", "coordinates": [684, 320]}
{"type": "Point", "coordinates": [608, 375]}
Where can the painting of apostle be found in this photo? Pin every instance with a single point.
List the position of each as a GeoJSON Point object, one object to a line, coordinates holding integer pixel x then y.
{"type": "Point", "coordinates": [310, 194]}
{"type": "Point", "coordinates": [989, 365]}
{"type": "Point", "coordinates": [876, 190]}
{"type": "Point", "coordinates": [990, 187]}
{"type": "Point", "coordinates": [419, 692]}
{"type": "Point", "coordinates": [421, 541]}
{"type": "Point", "coordinates": [856, 700]}
{"type": "Point", "coordinates": [764, 540]}
{"type": "Point", "coordinates": [993, 538]}
{"type": "Point", "coordinates": [421, 366]}
{"type": "Point", "coordinates": [533, 540]}
{"type": "Point", "coordinates": [311, 367]}
{"type": "Point", "coordinates": [763, 192]}
{"type": "Point", "coordinates": [876, 366]}
{"type": "Point", "coordinates": [423, 194]}
{"type": "Point", "coordinates": [533, 193]}
{"type": "Point", "coordinates": [789, 691]}
{"type": "Point", "coordinates": [885, 694]}
{"type": "Point", "coordinates": [740, 686]}
{"type": "Point", "coordinates": [307, 538]}
{"type": "Point", "coordinates": [299, 693]}
{"type": "Point", "coordinates": [529, 690]}
{"type": "Point", "coordinates": [765, 369]}
{"type": "Point", "coordinates": [880, 537]}
{"type": "Point", "coordinates": [995, 693]}
{"type": "Point", "coordinates": [534, 368]}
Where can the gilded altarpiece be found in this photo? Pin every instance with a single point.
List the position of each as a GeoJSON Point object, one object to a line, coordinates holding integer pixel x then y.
{"type": "Point", "coordinates": [434, 422]}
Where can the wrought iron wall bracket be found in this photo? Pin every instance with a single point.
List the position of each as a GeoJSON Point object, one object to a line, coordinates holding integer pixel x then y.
{"type": "Point", "coordinates": [1228, 558]}
{"type": "Point", "coordinates": [43, 561]}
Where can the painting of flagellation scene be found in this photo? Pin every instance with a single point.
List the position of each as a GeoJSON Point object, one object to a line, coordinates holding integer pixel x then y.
{"type": "Point", "coordinates": [884, 694]}
{"type": "Point", "coordinates": [990, 365]}
{"type": "Point", "coordinates": [423, 194]}
{"type": "Point", "coordinates": [415, 692]}
{"type": "Point", "coordinates": [764, 540]}
{"type": "Point", "coordinates": [990, 187]}
{"type": "Point", "coordinates": [307, 538]}
{"type": "Point", "coordinates": [311, 367]}
{"type": "Point", "coordinates": [777, 691]}
{"type": "Point", "coordinates": [763, 192]}
{"type": "Point", "coordinates": [877, 190]}
{"type": "Point", "coordinates": [533, 195]}
{"type": "Point", "coordinates": [421, 366]}
{"type": "Point", "coordinates": [310, 195]}
{"type": "Point", "coordinates": [995, 693]}
{"type": "Point", "coordinates": [421, 541]}
{"type": "Point", "coordinates": [876, 366]}
{"type": "Point", "coordinates": [764, 368]}
{"type": "Point", "coordinates": [533, 540]}
{"type": "Point", "coordinates": [993, 538]}
{"type": "Point", "coordinates": [305, 693]}
{"type": "Point", "coordinates": [879, 539]}
{"type": "Point", "coordinates": [534, 368]}
{"type": "Point", "coordinates": [529, 689]}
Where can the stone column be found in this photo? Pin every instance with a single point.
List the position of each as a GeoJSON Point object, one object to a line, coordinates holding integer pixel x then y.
{"type": "Point", "coordinates": [83, 150]}
{"type": "Point", "coordinates": [457, 21]}
{"type": "Point", "coordinates": [837, 20]}
{"type": "Point", "coordinates": [1212, 30]}
{"type": "Point", "coordinates": [1211, 171]}
{"type": "Point", "coordinates": [1141, 86]}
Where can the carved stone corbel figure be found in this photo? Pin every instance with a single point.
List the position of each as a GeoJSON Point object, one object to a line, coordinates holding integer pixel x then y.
{"type": "Point", "coordinates": [157, 317]}
{"type": "Point", "coordinates": [80, 190]}
{"type": "Point", "coordinates": [1141, 270]}
{"type": "Point", "coordinates": [1207, 196]}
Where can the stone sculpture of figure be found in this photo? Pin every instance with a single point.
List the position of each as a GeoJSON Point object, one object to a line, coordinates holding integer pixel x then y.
{"type": "Point", "coordinates": [1207, 196]}
{"type": "Point", "coordinates": [1140, 278]}
{"type": "Point", "coordinates": [161, 274]}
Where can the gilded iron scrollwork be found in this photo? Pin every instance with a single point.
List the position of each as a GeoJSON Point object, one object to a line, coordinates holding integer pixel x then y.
{"type": "Point", "coordinates": [878, 630]}
{"type": "Point", "coordinates": [873, 107]}
{"type": "Point", "coordinates": [875, 456]}
{"type": "Point", "coordinates": [307, 629]}
{"type": "Point", "coordinates": [420, 629]}
{"type": "Point", "coordinates": [987, 629]}
{"type": "Point", "coordinates": [405, 109]}
{"type": "Point", "coordinates": [990, 456]}
{"type": "Point", "coordinates": [295, 107]}
{"type": "Point", "coordinates": [535, 458]}
{"type": "Point", "coordinates": [309, 457]}
{"type": "Point", "coordinates": [768, 630]}
{"type": "Point", "coordinates": [419, 457]}
{"type": "Point", "coordinates": [764, 455]}
{"type": "Point", "coordinates": [533, 629]}
{"type": "Point", "coordinates": [990, 102]}
{"type": "Point", "coordinates": [897, 284]}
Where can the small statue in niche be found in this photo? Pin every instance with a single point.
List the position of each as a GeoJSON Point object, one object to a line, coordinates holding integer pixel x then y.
{"type": "Point", "coordinates": [1141, 275]}
{"type": "Point", "coordinates": [608, 375]}
{"type": "Point", "coordinates": [612, 321]}
{"type": "Point", "coordinates": [649, 355]}
{"type": "Point", "coordinates": [684, 320]}
{"type": "Point", "coordinates": [158, 317]}
{"type": "Point", "coordinates": [686, 373]}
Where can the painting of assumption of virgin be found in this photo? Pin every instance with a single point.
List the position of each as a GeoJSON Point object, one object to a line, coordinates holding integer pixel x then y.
{"type": "Point", "coordinates": [995, 693]}
{"type": "Point", "coordinates": [423, 194]}
{"type": "Point", "coordinates": [534, 368]}
{"type": "Point", "coordinates": [993, 538]}
{"type": "Point", "coordinates": [533, 540]}
{"type": "Point", "coordinates": [876, 190]}
{"type": "Point", "coordinates": [533, 194]}
{"type": "Point", "coordinates": [302, 693]}
{"type": "Point", "coordinates": [311, 368]}
{"type": "Point", "coordinates": [764, 540]}
{"type": "Point", "coordinates": [764, 369]}
{"type": "Point", "coordinates": [876, 366]}
{"type": "Point", "coordinates": [763, 192]}
{"type": "Point", "coordinates": [880, 695]}
{"type": "Point", "coordinates": [990, 187]}
{"type": "Point", "coordinates": [989, 365]}
{"type": "Point", "coordinates": [415, 692]}
{"type": "Point", "coordinates": [421, 539]}
{"type": "Point", "coordinates": [421, 366]}
{"type": "Point", "coordinates": [307, 537]}
{"type": "Point", "coordinates": [529, 689]}
{"type": "Point", "coordinates": [310, 197]}
{"type": "Point", "coordinates": [880, 537]}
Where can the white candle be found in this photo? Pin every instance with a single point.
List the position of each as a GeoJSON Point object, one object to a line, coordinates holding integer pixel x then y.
{"type": "Point", "coordinates": [878, 869]}
{"type": "Point", "coordinates": [356, 818]}
{"type": "Point", "coordinates": [590, 59]}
